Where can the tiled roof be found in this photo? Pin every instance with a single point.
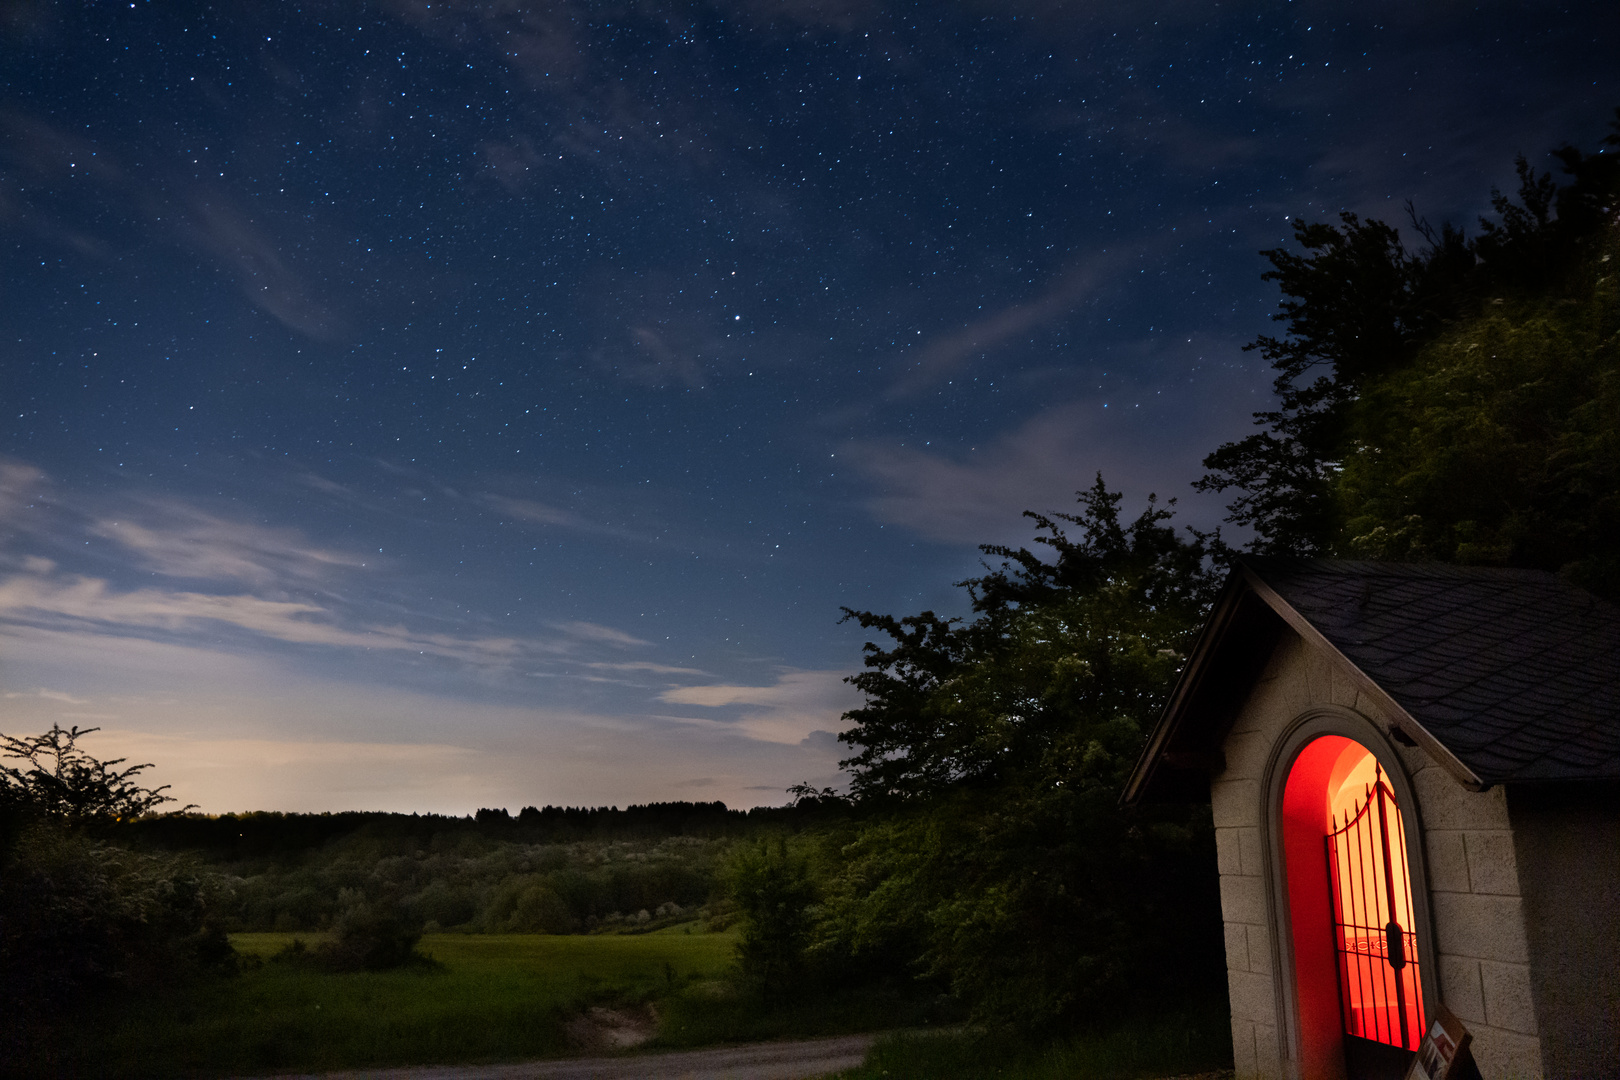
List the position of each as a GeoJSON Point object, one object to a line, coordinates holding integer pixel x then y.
{"type": "Point", "coordinates": [1514, 671]}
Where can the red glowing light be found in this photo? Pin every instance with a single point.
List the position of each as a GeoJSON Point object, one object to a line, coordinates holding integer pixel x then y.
{"type": "Point", "coordinates": [1380, 988]}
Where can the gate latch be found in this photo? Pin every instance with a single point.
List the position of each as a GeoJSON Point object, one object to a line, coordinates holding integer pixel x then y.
{"type": "Point", "coordinates": [1395, 944]}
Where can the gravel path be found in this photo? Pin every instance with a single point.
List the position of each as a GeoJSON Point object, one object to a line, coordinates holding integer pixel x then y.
{"type": "Point", "coordinates": [798, 1060]}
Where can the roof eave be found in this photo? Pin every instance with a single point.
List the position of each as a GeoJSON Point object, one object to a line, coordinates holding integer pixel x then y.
{"type": "Point", "coordinates": [1194, 678]}
{"type": "Point", "coordinates": [1364, 682]}
{"type": "Point", "coordinates": [1187, 685]}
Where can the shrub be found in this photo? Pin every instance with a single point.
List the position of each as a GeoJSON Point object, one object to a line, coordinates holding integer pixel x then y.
{"type": "Point", "coordinates": [370, 938]}
{"type": "Point", "coordinates": [540, 911]}
{"type": "Point", "coordinates": [80, 918]}
{"type": "Point", "coordinates": [774, 892]}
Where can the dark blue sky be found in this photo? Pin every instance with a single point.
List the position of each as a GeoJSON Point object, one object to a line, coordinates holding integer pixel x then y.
{"type": "Point", "coordinates": [427, 406]}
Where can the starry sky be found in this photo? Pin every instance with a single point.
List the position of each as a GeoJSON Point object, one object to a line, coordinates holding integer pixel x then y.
{"type": "Point", "coordinates": [423, 406]}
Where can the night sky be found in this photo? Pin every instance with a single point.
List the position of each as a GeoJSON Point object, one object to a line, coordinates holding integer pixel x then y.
{"type": "Point", "coordinates": [431, 406]}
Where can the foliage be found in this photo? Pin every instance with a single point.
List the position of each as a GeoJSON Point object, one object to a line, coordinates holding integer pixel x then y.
{"type": "Point", "coordinates": [772, 888]}
{"type": "Point", "coordinates": [1498, 443]}
{"type": "Point", "coordinates": [1163, 1042]}
{"type": "Point", "coordinates": [1003, 865]}
{"type": "Point", "coordinates": [260, 833]}
{"type": "Point", "coordinates": [81, 919]}
{"type": "Point", "coordinates": [529, 904]}
{"type": "Point", "coordinates": [1360, 306]}
{"type": "Point", "coordinates": [1092, 630]}
{"type": "Point", "coordinates": [370, 938]}
{"type": "Point", "coordinates": [478, 884]}
{"type": "Point", "coordinates": [1356, 304]}
{"type": "Point", "coordinates": [60, 781]}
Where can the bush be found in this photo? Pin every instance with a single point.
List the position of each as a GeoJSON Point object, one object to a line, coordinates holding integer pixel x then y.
{"type": "Point", "coordinates": [80, 918]}
{"type": "Point", "coordinates": [774, 892]}
{"type": "Point", "coordinates": [368, 938]}
{"type": "Point", "coordinates": [538, 910]}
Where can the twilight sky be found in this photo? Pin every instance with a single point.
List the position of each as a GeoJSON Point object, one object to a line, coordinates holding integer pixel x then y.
{"type": "Point", "coordinates": [430, 406]}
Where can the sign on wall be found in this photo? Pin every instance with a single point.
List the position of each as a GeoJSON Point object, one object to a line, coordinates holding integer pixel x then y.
{"type": "Point", "coordinates": [1443, 1054]}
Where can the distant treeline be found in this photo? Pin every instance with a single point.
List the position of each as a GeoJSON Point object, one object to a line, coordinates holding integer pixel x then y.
{"type": "Point", "coordinates": [546, 869]}
{"type": "Point", "coordinates": [260, 833]}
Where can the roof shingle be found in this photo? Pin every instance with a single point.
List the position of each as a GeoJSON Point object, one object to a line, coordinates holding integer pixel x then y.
{"type": "Point", "coordinates": [1515, 672]}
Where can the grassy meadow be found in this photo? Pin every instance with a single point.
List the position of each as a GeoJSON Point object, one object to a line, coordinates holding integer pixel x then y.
{"type": "Point", "coordinates": [483, 997]}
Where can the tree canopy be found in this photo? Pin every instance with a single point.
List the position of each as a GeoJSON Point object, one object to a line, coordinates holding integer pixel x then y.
{"type": "Point", "coordinates": [1498, 444]}
{"type": "Point", "coordinates": [997, 747]}
{"type": "Point", "coordinates": [1364, 312]}
{"type": "Point", "coordinates": [59, 780]}
{"type": "Point", "coordinates": [1090, 626]}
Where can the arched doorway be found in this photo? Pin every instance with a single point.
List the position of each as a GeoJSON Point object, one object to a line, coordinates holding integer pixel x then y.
{"type": "Point", "coordinates": [1357, 978]}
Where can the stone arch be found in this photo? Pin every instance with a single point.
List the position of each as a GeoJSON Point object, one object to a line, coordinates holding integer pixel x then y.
{"type": "Point", "coordinates": [1310, 1034]}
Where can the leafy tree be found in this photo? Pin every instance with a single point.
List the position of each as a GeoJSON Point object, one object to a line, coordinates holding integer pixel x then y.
{"type": "Point", "coordinates": [527, 904]}
{"type": "Point", "coordinates": [1357, 303]}
{"type": "Point", "coordinates": [1497, 444]}
{"type": "Point", "coordinates": [61, 782]}
{"type": "Point", "coordinates": [1091, 627]}
{"type": "Point", "coordinates": [1360, 305]}
{"type": "Point", "coordinates": [80, 917]}
{"type": "Point", "coordinates": [996, 749]}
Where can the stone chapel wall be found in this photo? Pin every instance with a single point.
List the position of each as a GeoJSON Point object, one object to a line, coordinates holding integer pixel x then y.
{"type": "Point", "coordinates": [1478, 918]}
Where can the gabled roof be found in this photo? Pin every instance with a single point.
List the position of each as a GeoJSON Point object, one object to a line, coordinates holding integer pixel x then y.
{"type": "Point", "coordinates": [1504, 676]}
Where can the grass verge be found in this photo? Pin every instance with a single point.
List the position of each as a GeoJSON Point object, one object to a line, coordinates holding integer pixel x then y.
{"type": "Point", "coordinates": [709, 1013]}
{"type": "Point", "coordinates": [1174, 1043]}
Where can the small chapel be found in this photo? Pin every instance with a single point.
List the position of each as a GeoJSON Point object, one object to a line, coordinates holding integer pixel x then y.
{"type": "Point", "coordinates": [1414, 773]}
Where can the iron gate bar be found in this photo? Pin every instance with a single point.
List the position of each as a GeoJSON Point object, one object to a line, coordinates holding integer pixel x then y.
{"type": "Point", "coordinates": [1357, 941]}
{"type": "Point", "coordinates": [1336, 905]}
{"type": "Point", "coordinates": [1394, 936]}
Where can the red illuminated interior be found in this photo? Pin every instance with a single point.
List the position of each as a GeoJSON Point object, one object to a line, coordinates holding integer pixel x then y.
{"type": "Point", "coordinates": [1350, 900]}
{"type": "Point", "coordinates": [1372, 895]}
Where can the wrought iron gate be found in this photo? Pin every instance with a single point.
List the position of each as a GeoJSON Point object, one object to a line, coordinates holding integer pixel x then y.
{"type": "Point", "coordinates": [1380, 992]}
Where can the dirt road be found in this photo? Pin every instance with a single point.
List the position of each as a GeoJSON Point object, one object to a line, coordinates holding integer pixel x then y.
{"type": "Point", "coordinates": [799, 1060]}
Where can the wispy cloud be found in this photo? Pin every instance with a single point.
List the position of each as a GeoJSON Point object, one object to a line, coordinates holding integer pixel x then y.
{"type": "Point", "coordinates": [232, 238]}
{"type": "Point", "coordinates": [260, 585]}
{"type": "Point", "coordinates": [91, 602]}
{"type": "Point", "coordinates": [190, 543]}
{"type": "Point", "coordinates": [49, 695]}
{"type": "Point", "coordinates": [979, 496]}
{"type": "Point", "coordinates": [589, 631]}
{"type": "Point", "coordinates": [208, 222]}
{"type": "Point", "coordinates": [19, 484]}
{"type": "Point", "coordinates": [535, 513]}
{"type": "Point", "coordinates": [644, 666]}
{"type": "Point", "coordinates": [248, 731]}
{"type": "Point", "coordinates": [951, 353]}
{"type": "Point", "coordinates": [794, 709]}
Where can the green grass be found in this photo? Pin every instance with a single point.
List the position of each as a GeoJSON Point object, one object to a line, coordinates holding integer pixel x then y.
{"type": "Point", "coordinates": [1174, 1043]}
{"type": "Point", "coordinates": [706, 1014]}
{"type": "Point", "coordinates": [486, 998]}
